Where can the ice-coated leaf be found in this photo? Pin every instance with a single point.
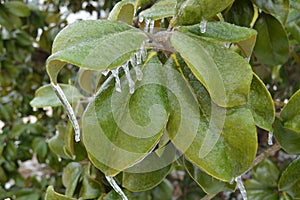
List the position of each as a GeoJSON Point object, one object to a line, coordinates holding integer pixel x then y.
{"type": "Point", "coordinates": [70, 177]}
{"type": "Point", "coordinates": [52, 195]}
{"type": "Point", "coordinates": [261, 104]}
{"type": "Point", "coordinates": [161, 9]}
{"type": "Point", "coordinates": [88, 80]}
{"type": "Point", "coordinates": [226, 75]}
{"type": "Point", "coordinates": [123, 11]}
{"type": "Point", "coordinates": [45, 96]}
{"type": "Point", "coordinates": [94, 45]}
{"type": "Point", "coordinates": [289, 140]}
{"type": "Point", "coordinates": [208, 184]}
{"type": "Point", "coordinates": [190, 12]}
{"type": "Point", "coordinates": [290, 114]}
{"type": "Point", "coordinates": [290, 179]}
{"type": "Point", "coordinates": [272, 46]}
{"type": "Point", "coordinates": [141, 3]}
{"type": "Point", "coordinates": [222, 31]}
{"type": "Point", "coordinates": [120, 128]}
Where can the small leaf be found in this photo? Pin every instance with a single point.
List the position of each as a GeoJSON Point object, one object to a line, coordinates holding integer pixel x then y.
{"type": "Point", "coordinates": [123, 11]}
{"type": "Point", "coordinates": [17, 8]}
{"type": "Point", "coordinates": [272, 47]}
{"type": "Point", "coordinates": [52, 195]}
{"type": "Point", "coordinates": [141, 3]}
{"type": "Point", "coordinates": [290, 179]}
{"type": "Point", "coordinates": [90, 188]}
{"type": "Point", "coordinates": [161, 9]}
{"type": "Point", "coordinates": [45, 96]}
{"type": "Point", "coordinates": [94, 45]}
{"type": "Point", "coordinates": [290, 114]}
{"type": "Point", "coordinates": [70, 177]}
{"type": "Point", "coordinates": [261, 104]}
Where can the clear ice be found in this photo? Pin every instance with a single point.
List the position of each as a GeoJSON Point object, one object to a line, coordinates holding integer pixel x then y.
{"type": "Point", "coordinates": [115, 73]}
{"type": "Point", "coordinates": [61, 95]}
{"type": "Point", "coordinates": [136, 67]}
{"type": "Point", "coordinates": [227, 45]}
{"type": "Point", "coordinates": [270, 138]}
{"type": "Point", "coordinates": [241, 187]}
{"type": "Point", "coordinates": [151, 26]}
{"type": "Point", "coordinates": [105, 72]}
{"type": "Point", "coordinates": [115, 186]}
{"type": "Point", "coordinates": [203, 26]}
{"type": "Point", "coordinates": [129, 79]}
{"type": "Point", "coordinates": [147, 23]}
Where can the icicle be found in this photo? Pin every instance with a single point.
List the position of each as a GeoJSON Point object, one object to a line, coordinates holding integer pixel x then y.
{"type": "Point", "coordinates": [241, 187]}
{"type": "Point", "coordinates": [143, 51]}
{"type": "Point", "coordinates": [147, 23]}
{"type": "Point", "coordinates": [61, 95]}
{"type": "Point", "coordinates": [115, 73]}
{"type": "Point", "coordinates": [227, 45]}
{"type": "Point", "coordinates": [138, 57]}
{"type": "Point", "coordinates": [105, 72]}
{"type": "Point", "coordinates": [137, 69]}
{"type": "Point", "coordinates": [141, 19]}
{"type": "Point", "coordinates": [130, 81]}
{"type": "Point", "coordinates": [151, 26]}
{"type": "Point", "coordinates": [203, 26]}
{"type": "Point", "coordinates": [115, 186]}
{"type": "Point", "coordinates": [270, 138]}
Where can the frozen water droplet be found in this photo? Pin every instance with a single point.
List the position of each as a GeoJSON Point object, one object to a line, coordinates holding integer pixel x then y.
{"type": "Point", "coordinates": [138, 73]}
{"type": "Point", "coordinates": [270, 138]}
{"type": "Point", "coordinates": [248, 58]}
{"type": "Point", "coordinates": [115, 73]}
{"type": "Point", "coordinates": [59, 159]}
{"type": "Point", "coordinates": [141, 19]}
{"type": "Point", "coordinates": [227, 45]}
{"type": "Point", "coordinates": [129, 79]}
{"type": "Point", "coordinates": [61, 95]}
{"type": "Point", "coordinates": [143, 51]}
{"type": "Point", "coordinates": [241, 187]}
{"type": "Point", "coordinates": [138, 57]}
{"type": "Point", "coordinates": [115, 186]}
{"type": "Point", "coordinates": [151, 26]}
{"type": "Point", "coordinates": [232, 181]}
{"type": "Point", "coordinates": [203, 26]}
{"type": "Point", "coordinates": [147, 23]}
{"type": "Point", "coordinates": [133, 61]}
{"type": "Point", "coordinates": [105, 72]}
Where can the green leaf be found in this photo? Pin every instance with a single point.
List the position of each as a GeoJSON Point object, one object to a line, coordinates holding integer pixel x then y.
{"type": "Point", "coordinates": [289, 140]}
{"type": "Point", "coordinates": [290, 114]}
{"type": "Point", "coordinates": [244, 37]}
{"type": "Point", "coordinates": [57, 143]}
{"type": "Point", "coordinates": [39, 146]}
{"type": "Point", "coordinates": [17, 8]}
{"type": "Point", "coordinates": [123, 11]}
{"type": "Point", "coordinates": [290, 179]}
{"type": "Point", "coordinates": [241, 13]}
{"type": "Point", "coordinates": [261, 104]}
{"type": "Point", "coordinates": [52, 195]}
{"type": "Point", "coordinates": [90, 188]}
{"type": "Point", "coordinates": [208, 184]}
{"type": "Point", "coordinates": [141, 3]}
{"type": "Point", "coordinates": [161, 9]}
{"type": "Point", "coordinates": [193, 11]}
{"type": "Point", "coordinates": [94, 45]}
{"type": "Point", "coordinates": [70, 177]}
{"type": "Point", "coordinates": [45, 96]}
{"type": "Point", "coordinates": [119, 129]}
{"type": "Point", "coordinates": [226, 75]}
{"type": "Point", "coordinates": [277, 8]}
{"type": "Point", "coordinates": [163, 191]}
{"type": "Point", "coordinates": [272, 47]}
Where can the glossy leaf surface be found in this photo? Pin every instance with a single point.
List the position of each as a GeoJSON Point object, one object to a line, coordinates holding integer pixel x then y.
{"type": "Point", "coordinates": [161, 9]}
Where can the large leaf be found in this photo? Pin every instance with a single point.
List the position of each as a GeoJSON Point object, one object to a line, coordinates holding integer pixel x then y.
{"type": "Point", "coordinates": [290, 114]}
{"type": "Point", "coordinates": [272, 47]}
{"type": "Point", "coordinates": [161, 9]}
{"type": "Point", "coordinates": [119, 129]}
{"type": "Point", "coordinates": [193, 11]}
{"type": "Point", "coordinates": [45, 96]}
{"type": "Point", "coordinates": [261, 104]}
{"type": "Point", "coordinates": [290, 179]}
{"type": "Point", "coordinates": [225, 32]}
{"type": "Point", "coordinates": [95, 45]}
{"type": "Point", "coordinates": [225, 74]}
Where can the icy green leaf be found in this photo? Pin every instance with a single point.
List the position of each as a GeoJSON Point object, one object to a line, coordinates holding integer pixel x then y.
{"type": "Point", "coordinates": [17, 8]}
{"type": "Point", "coordinates": [52, 195]}
{"type": "Point", "coordinates": [290, 179]}
{"type": "Point", "coordinates": [160, 10]}
{"type": "Point", "coordinates": [190, 12]}
{"type": "Point", "coordinates": [290, 114]}
{"type": "Point", "coordinates": [208, 184]}
{"type": "Point", "coordinates": [94, 45]}
{"type": "Point", "coordinates": [226, 75]}
{"type": "Point", "coordinates": [70, 177]}
{"type": "Point", "coordinates": [123, 11]}
{"type": "Point", "coordinates": [225, 32]}
{"type": "Point", "coordinates": [45, 96]}
{"type": "Point", "coordinates": [141, 3]}
{"type": "Point", "coordinates": [272, 46]}
{"type": "Point", "coordinates": [119, 129]}
{"type": "Point", "coordinates": [261, 104]}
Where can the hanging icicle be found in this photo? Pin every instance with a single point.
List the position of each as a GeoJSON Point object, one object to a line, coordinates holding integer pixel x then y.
{"type": "Point", "coordinates": [105, 72]}
{"type": "Point", "coordinates": [270, 138]}
{"type": "Point", "coordinates": [70, 112]}
{"type": "Point", "coordinates": [241, 187]}
{"type": "Point", "coordinates": [227, 45]}
{"type": "Point", "coordinates": [128, 76]}
{"type": "Point", "coordinates": [143, 51]}
{"type": "Point", "coordinates": [147, 23]}
{"type": "Point", "coordinates": [203, 26]}
{"type": "Point", "coordinates": [115, 73]}
{"type": "Point", "coordinates": [151, 25]}
{"type": "Point", "coordinates": [116, 188]}
{"type": "Point", "coordinates": [141, 19]}
{"type": "Point", "coordinates": [136, 67]}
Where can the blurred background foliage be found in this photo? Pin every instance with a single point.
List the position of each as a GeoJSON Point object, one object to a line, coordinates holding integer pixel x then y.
{"type": "Point", "coordinates": [27, 164]}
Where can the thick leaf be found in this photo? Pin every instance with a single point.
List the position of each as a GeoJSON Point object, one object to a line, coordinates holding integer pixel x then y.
{"type": "Point", "coordinates": [275, 7]}
{"type": "Point", "coordinates": [225, 32]}
{"type": "Point", "coordinates": [208, 184]}
{"type": "Point", "coordinates": [193, 11]}
{"type": "Point", "coordinates": [17, 8]}
{"type": "Point", "coordinates": [161, 9]}
{"type": "Point", "coordinates": [272, 47]}
{"type": "Point", "coordinates": [241, 13]}
{"type": "Point", "coordinates": [90, 188]}
{"type": "Point", "coordinates": [70, 177]}
{"type": "Point", "coordinates": [52, 195]}
{"type": "Point", "coordinates": [57, 143]}
{"type": "Point", "coordinates": [290, 114]}
{"type": "Point", "coordinates": [88, 80]}
{"type": "Point", "coordinates": [123, 11]}
{"type": "Point", "coordinates": [119, 128]}
{"type": "Point", "coordinates": [45, 96]}
{"type": "Point", "coordinates": [289, 140]}
{"type": "Point", "coordinates": [95, 45]}
{"type": "Point", "coordinates": [261, 104]}
{"type": "Point", "coordinates": [226, 75]}
{"type": "Point", "coordinates": [290, 179]}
